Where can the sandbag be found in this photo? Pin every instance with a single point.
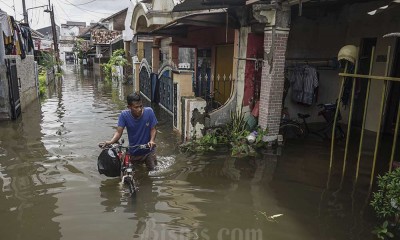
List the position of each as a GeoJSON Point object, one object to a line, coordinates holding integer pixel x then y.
{"type": "Point", "coordinates": [108, 163]}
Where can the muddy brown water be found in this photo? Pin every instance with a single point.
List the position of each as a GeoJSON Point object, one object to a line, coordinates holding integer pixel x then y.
{"type": "Point", "coordinates": [50, 188]}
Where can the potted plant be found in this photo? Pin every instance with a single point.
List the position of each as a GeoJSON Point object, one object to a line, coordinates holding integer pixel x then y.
{"type": "Point", "coordinates": [386, 203]}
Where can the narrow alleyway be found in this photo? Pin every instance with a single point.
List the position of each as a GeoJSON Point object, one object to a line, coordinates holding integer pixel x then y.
{"type": "Point", "coordinates": [50, 188]}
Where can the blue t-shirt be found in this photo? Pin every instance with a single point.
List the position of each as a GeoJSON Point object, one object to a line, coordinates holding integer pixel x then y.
{"type": "Point", "coordinates": [138, 128]}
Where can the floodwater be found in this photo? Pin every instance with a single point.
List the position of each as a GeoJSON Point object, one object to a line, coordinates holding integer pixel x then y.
{"type": "Point", "coordinates": [50, 188]}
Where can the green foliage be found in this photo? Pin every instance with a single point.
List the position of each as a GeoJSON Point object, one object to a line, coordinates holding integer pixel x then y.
{"type": "Point", "coordinates": [382, 231]}
{"type": "Point", "coordinates": [234, 135]}
{"type": "Point", "coordinates": [117, 59]}
{"type": "Point", "coordinates": [209, 142]}
{"type": "Point", "coordinates": [386, 201]}
{"type": "Point", "coordinates": [47, 61]}
{"type": "Point", "coordinates": [237, 132]}
{"type": "Point", "coordinates": [42, 83]}
{"type": "Point", "coordinates": [81, 47]}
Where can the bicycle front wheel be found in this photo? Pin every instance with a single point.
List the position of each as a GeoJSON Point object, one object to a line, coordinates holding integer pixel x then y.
{"type": "Point", "coordinates": [291, 131]}
{"type": "Point", "coordinates": [130, 183]}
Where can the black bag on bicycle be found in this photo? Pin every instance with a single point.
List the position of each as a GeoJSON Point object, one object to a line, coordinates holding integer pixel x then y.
{"type": "Point", "coordinates": [108, 163]}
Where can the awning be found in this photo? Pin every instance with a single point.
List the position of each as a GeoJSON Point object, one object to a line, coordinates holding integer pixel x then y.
{"type": "Point", "coordinates": [180, 26]}
{"type": "Point", "coordinates": [195, 5]}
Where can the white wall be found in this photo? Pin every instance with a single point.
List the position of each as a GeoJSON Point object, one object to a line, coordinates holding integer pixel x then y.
{"type": "Point", "coordinates": [163, 5]}
{"type": "Point", "coordinates": [68, 33]}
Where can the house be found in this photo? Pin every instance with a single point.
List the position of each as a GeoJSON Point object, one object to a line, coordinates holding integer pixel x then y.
{"type": "Point", "coordinates": [48, 32]}
{"type": "Point", "coordinates": [103, 38]}
{"type": "Point", "coordinates": [69, 32]}
{"type": "Point", "coordinates": [209, 58]}
{"type": "Point", "coordinates": [172, 47]}
{"type": "Point", "coordinates": [18, 70]}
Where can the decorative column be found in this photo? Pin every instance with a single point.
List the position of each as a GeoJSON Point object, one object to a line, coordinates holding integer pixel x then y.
{"type": "Point", "coordinates": [174, 53]}
{"type": "Point", "coordinates": [135, 74]}
{"type": "Point", "coordinates": [276, 34]}
{"type": "Point", "coordinates": [155, 55]}
{"type": "Point", "coordinates": [272, 80]}
{"type": "Point", "coordinates": [140, 50]}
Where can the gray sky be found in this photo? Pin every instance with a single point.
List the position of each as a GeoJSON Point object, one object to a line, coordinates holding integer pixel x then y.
{"type": "Point", "coordinates": [65, 10]}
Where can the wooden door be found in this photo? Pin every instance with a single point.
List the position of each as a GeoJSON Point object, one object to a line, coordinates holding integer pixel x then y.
{"type": "Point", "coordinates": [223, 73]}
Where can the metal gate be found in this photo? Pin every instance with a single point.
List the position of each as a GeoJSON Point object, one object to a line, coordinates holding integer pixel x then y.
{"type": "Point", "coordinates": [175, 105]}
{"type": "Point", "coordinates": [368, 78]}
{"type": "Point", "coordinates": [166, 90]}
{"type": "Point", "coordinates": [13, 85]}
{"type": "Point", "coordinates": [144, 79]}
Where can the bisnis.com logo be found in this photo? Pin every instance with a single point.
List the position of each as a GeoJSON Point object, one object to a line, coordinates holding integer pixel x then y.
{"type": "Point", "coordinates": [163, 232]}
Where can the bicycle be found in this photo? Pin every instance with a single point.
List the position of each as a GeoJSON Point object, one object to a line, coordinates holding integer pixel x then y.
{"type": "Point", "coordinates": [127, 168]}
{"type": "Point", "coordinates": [299, 129]}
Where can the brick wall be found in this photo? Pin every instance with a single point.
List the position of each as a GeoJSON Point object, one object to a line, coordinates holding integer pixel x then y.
{"type": "Point", "coordinates": [272, 81]}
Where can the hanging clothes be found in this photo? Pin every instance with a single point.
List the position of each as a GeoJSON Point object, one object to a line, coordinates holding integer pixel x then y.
{"type": "Point", "coordinates": [310, 84]}
{"type": "Point", "coordinates": [304, 82]}
{"type": "Point", "coordinates": [9, 40]}
{"type": "Point", "coordinates": [21, 44]}
{"type": "Point", "coordinates": [296, 82]}
{"type": "Point", "coordinates": [14, 44]}
{"type": "Point", "coordinates": [27, 38]}
{"type": "Point", "coordinates": [5, 23]}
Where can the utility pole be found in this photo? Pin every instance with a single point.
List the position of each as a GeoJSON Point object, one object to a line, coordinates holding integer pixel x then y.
{"type": "Point", "coordinates": [54, 30]}
{"type": "Point", "coordinates": [25, 12]}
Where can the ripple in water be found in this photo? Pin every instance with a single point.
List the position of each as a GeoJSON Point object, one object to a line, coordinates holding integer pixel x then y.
{"type": "Point", "coordinates": [163, 165]}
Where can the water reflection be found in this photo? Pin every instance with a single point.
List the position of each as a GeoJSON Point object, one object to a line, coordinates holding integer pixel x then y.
{"type": "Point", "coordinates": [27, 191]}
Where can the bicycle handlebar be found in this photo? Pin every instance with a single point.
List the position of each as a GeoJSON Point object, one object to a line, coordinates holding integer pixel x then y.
{"type": "Point", "coordinates": [327, 105]}
{"type": "Point", "coordinates": [117, 145]}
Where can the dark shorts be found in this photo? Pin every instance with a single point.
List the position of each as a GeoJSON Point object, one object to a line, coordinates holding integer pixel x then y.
{"type": "Point", "coordinates": [149, 159]}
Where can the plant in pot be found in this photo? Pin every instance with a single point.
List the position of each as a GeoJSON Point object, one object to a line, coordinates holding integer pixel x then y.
{"type": "Point", "coordinates": [386, 203]}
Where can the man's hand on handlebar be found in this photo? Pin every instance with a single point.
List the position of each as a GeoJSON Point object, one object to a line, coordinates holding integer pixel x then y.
{"type": "Point", "coordinates": [151, 144]}
{"type": "Point", "coordinates": [104, 144]}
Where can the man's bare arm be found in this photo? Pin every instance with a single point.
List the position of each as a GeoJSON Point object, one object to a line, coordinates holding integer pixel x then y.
{"type": "Point", "coordinates": [153, 133]}
{"type": "Point", "coordinates": [116, 137]}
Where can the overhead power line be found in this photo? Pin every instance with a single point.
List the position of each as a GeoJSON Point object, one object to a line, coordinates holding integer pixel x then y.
{"type": "Point", "coordinates": [81, 3]}
{"type": "Point", "coordinates": [62, 9]}
{"type": "Point", "coordinates": [6, 4]}
{"type": "Point", "coordinates": [77, 6]}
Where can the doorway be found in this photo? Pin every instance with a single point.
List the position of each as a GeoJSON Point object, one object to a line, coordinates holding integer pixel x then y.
{"type": "Point", "coordinates": [364, 61]}
{"type": "Point", "coordinates": [223, 73]}
{"type": "Point", "coordinates": [394, 93]}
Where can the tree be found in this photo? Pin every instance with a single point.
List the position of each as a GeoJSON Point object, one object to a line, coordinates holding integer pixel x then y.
{"type": "Point", "coordinates": [81, 46]}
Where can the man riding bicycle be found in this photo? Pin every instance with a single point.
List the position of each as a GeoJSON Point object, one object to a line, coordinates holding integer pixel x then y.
{"type": "Point", "coordinates": [140, 123]}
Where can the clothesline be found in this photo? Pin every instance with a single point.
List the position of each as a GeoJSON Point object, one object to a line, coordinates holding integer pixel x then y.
{"type": "Point", "coordinates": [320, 63]}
